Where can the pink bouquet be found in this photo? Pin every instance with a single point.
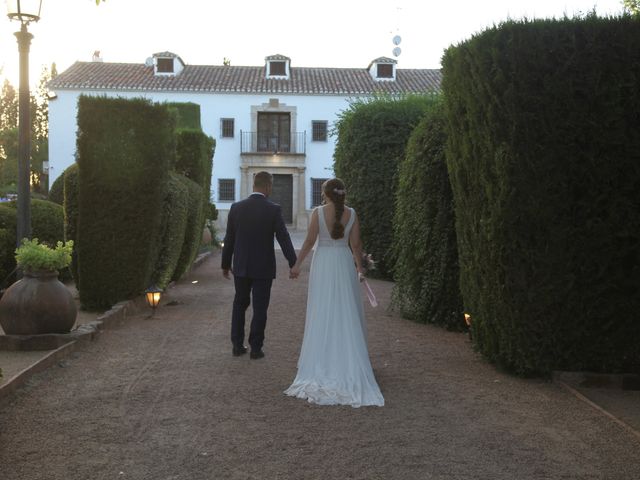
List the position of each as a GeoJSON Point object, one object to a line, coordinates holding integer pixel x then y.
{"type": "Point", "coordinates": [368, 263]}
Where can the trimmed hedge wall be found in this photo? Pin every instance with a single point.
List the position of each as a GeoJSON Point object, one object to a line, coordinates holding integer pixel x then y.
{"type": "Point", "coordinates": [125, 150]}
{"type": "Point", "coordinates": [424, 244]}
{"type": "Point", "coordinates": [372, 137]}
{"type": "Point", "coordinates": [193, 229]}
{"type": "Point", "coordinates": [194, 157]}
{"type": "Point", "coordinates": [194, 160]}
{"type": "Point", "coordinates": [187, 114]}
{"type": "Point", "coordinates": [70, 176]}
{"type": "Point", "coordinates": [174, 224]}
{"type": "Point", "coordinates": [544, 161]}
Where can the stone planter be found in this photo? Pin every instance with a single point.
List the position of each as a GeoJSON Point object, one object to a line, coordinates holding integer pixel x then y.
{"type": "Point", "coordinates": [38, 303]}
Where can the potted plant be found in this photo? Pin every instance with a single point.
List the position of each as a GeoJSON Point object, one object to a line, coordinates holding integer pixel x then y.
{"type": "Point", "coordinates": [39, 302]}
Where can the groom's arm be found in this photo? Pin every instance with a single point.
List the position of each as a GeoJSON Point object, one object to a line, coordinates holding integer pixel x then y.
{"type": "Point", "coordinates": [282, 235]}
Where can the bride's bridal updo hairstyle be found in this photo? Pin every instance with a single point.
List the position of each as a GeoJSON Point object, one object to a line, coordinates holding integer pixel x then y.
{"type": "Point", "coordinates": [334, 190]}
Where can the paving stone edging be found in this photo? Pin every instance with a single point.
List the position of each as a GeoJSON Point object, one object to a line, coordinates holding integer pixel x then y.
{"type": "Point", "coordinates": [62, 345]}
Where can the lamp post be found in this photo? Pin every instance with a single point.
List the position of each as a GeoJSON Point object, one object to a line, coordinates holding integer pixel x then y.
{"type": "Point", "coordinates": [25, 11]}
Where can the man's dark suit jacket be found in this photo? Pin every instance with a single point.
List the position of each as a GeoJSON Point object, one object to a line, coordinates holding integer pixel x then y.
{"type": "Point", "coordinates": [249, 239]}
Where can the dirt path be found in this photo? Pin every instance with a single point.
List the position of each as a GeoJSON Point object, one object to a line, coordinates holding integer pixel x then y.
{"type": "Point", "coordinates": [163, 398]}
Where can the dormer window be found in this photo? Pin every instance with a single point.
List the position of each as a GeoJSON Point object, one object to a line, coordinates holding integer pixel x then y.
{"type": "Point", "coordinates": [383, 69]}
{"type": "Point", "coordinates": [167, 64]}
{"type": "Point", "coordinates": [278, 67]}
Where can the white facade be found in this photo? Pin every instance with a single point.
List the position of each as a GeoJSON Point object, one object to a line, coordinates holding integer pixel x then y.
{"type": "Point", "coordinates": [235, 161]}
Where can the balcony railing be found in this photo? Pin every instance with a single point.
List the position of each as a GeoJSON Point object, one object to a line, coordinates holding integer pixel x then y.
{"type": "Point", "coordinates": [258, 142]}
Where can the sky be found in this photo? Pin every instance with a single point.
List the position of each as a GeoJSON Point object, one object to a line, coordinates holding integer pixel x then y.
{"type": "Point", "coordinates": [327, 33]}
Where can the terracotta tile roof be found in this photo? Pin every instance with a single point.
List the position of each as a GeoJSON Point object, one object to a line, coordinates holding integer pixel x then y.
{"type": "Point", "coordinates": [232, 79]}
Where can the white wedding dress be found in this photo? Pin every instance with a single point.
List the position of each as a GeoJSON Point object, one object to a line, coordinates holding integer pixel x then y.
{"type": "Point", "coordinates": [334, 366]}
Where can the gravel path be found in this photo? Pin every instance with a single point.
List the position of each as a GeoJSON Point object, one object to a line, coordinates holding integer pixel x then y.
{"type": "Point", "coordinates": [163, 398]}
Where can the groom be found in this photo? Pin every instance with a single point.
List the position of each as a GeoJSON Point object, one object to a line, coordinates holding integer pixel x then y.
{"type": "Point", "coordinates": [251, 226]}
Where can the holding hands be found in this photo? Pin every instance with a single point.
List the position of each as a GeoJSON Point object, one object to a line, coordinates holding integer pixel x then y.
{"type": "Point", "coordinates": [294, 272]}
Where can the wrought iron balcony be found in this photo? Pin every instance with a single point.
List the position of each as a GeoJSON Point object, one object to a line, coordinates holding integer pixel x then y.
{"type": "Point", "coordinates": [270, 143]}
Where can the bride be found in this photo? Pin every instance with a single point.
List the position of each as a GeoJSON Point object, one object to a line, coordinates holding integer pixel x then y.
{"type": "Point", "coordinates": [334, 366]}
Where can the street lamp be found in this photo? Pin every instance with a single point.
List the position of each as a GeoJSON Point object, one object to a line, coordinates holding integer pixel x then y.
{"type": "Point", "coordinates": [25, 11]}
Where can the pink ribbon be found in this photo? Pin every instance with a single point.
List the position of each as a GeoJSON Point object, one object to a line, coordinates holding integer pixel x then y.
{"type": "Point", "coordinates": [370, 295]}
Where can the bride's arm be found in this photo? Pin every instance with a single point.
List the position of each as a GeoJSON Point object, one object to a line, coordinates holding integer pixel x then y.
{"type": "Point", "coordinates": [356, 244]}
{"type": "Point", "coordinates": [309, 242]}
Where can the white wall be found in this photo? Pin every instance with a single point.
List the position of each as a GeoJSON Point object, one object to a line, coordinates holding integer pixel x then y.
{"type": "Point", "coordinates": [213, 107]}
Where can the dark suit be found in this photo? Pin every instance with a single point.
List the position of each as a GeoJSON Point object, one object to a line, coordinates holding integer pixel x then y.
{"type": "Point", "coordinates": [251, 226]}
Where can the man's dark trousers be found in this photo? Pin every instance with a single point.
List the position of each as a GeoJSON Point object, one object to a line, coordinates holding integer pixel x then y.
{"type": "Point", "coordinates": [260, 290]}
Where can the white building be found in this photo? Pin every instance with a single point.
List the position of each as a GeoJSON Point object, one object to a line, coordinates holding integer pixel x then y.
{"type": "Point", "coordinates": [275, 117]}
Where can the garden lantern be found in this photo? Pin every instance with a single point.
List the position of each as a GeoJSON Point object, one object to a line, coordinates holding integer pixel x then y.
{"type": "Point", "coordinates": [24, 11]}
{"type": "Point", "coordinates": [153, 295]}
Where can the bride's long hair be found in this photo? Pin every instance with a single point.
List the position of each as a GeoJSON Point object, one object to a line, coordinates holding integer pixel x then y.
{"type": "Point", "coordinates": [334, 190]}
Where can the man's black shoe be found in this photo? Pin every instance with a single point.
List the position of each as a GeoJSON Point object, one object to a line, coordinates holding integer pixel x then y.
{"type": "Point", "coordinates": [255, 354]}
{"type": "Point", "coordinates": [237, 351]}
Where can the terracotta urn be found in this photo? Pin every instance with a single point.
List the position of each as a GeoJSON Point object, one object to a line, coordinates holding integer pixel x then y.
{"type": "Point", "coordinates": [36, 304]}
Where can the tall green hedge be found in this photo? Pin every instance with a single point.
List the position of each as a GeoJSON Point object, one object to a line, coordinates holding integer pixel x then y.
{"type": "Point", "coordinates": [194, 157]}
{"type": "Point", "coordinates": [193, 229]}
{"type": "Point", "coordinates": [187, 114]}
{"type": "Point", "coordinates": [544, 161]}
{"type": "Point", "coordinates": [424, 243]}
{"type": "Point", "coordinates": [125, 150]}
{"type": "Point", "coordinates": [174, 225]}
{"type": "Point", "coordinates": [70, 203]}
{"type": "Point", "coordinates": [372, 138]}
{"type": "Point", "coordinates": [194, 160]}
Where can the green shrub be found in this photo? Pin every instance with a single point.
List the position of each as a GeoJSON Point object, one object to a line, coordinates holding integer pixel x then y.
{"type": "Point", "coordinates": [47, 221]}
{"type": "Point", "coordinates": [544, 166]}
{"type": "Point", "coordinates": [372, 137]}
{"type": "Point", "coordinates": [56, 192]}
{"type": "Point", "coordinates": [193, 230]}
{"type": "Point", "coordinates": [174, 228]}
{"type": "Point", "coordinates": [70, 191]}
{"type": "Point", "coordinates": [424, 244]}
{"type": "Point", "coordinates": [125, 149]}
{"type": "Point", "coordinates": [211, 212]}
{"type": "Point", "coordinates": [7, 245]}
